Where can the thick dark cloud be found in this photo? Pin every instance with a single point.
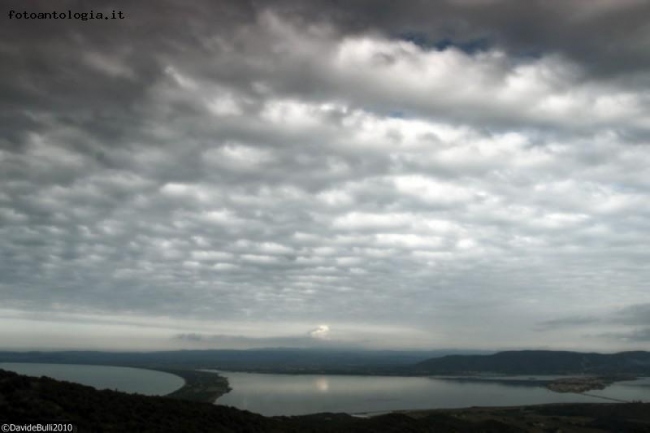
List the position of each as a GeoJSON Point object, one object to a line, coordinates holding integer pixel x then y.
{"type": "Point", "coordinates": [608, 36]}
{"type": "Point", "coordinates": [447, 173]}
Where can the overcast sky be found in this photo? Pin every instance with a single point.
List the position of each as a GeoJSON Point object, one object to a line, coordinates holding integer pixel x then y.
{"type": "Point", "coordinates": [368, 174]}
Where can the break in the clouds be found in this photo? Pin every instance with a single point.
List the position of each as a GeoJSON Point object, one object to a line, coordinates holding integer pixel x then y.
{"type": "Point", "coordinates": [468, 174]}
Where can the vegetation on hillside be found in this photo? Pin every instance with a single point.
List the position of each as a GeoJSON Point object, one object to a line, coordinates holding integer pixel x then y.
{"type": "Point", "coordinates": [539, 362]}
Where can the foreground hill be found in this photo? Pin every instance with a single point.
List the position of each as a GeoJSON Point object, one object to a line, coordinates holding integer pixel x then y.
{"type": "Point", "coordinates": [26, 399]}
{"type": "Point", "coordinates": [535, 362]}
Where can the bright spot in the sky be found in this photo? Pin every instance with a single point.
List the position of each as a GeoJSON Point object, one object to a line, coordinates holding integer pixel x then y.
{"type": "Point", "coordinates": [321, 333]}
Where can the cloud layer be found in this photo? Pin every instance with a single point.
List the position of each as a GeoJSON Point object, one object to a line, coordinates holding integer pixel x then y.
{"type": "Point", "coordinates": [222, 172]}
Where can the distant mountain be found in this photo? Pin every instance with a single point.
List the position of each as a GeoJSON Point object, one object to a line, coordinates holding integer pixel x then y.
{"type": "Point", "coordinates": [263, 360]}
{"type": "Point", "coordinates": [527, 362]}
{"type": "Point", "coordinates": [534, 362]}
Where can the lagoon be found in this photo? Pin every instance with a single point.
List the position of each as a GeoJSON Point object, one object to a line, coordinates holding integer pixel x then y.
{"type": "Point", "coordinates": [277, 394]}
{"type": "Point", "coordinates": [125, 379]}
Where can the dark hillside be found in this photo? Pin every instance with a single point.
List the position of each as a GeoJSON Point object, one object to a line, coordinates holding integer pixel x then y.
{"type": "Point", "coordinates": [266, 360]}
{"type": "Point", "coordinates": [535, 362]}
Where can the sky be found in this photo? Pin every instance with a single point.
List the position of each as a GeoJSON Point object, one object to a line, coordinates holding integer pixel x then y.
{"type": "Point", "coordinates": [467, 174]}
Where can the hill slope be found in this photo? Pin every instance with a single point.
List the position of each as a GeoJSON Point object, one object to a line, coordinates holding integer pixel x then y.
{"type": "Point", "coordinates": [534, 362]}
{"type": "Point", "coordinates": [276, 360]}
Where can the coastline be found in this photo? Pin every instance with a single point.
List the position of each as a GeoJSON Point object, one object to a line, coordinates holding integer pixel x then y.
{"type": "Point", "coordinates": [37, 398]}
{"type": "Point", "coordinates": [199, 385]}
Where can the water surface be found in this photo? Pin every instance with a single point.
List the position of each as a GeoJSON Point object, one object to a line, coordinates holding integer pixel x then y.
{"type": "Point", "coordinates": [125, 379]}
{"type": "Point", "coordinates": [276, 394]}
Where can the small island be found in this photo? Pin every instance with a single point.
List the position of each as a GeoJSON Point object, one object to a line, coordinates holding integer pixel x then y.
{"type": "Point", "coordinates": [584, 383]}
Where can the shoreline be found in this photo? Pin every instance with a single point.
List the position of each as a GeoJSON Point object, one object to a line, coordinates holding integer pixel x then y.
{"type": "Point", "coordinates": [199, 385]}
{"type": "Point", "coordinates": [38, 398]}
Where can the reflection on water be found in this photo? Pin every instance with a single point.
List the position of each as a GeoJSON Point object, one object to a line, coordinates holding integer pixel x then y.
{"type": "Point", "coordinates": [322, 384]}
{"type": "Point", "coordinates": [275, 394]}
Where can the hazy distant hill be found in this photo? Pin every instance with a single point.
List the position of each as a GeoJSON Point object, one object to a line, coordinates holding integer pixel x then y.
{"type": "Point", "coordinates": [277, 360]}
{"type": "Point", "coordinates": [539, 362]}
{"type": "Point", "coordinates": [528, 362]}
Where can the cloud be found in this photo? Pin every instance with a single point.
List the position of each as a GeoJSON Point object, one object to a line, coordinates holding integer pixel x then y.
{"type": "Point", "coordinates": [638, 335]}
{"type": "Point", "coordinates": [637, 314]}
{"type": "Point", "coordinates": [634, 314]}
{"type": "Point", "coordinates": [569, 322]}
{"type": "Point", "coordinates": [347, 335]}
{"type": "Point", "coordinates": [314, 338]}
{"type": "Point", "coordinates": [239, 341]}
{"type": "Point", "coordinates": [577, 29]}
{"type": "Point", "coordinates": [459, 171]}
{"type": "Point", "coordinates": [320, 333]}
{"type": "Point", "coordinates": [631, 324]}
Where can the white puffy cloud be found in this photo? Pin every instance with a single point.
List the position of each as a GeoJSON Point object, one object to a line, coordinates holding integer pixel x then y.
{"type": "Point", "coordinates": [320, 333]}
